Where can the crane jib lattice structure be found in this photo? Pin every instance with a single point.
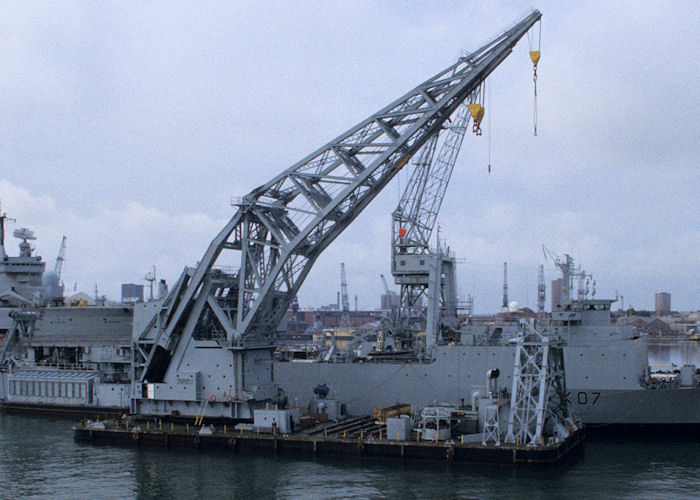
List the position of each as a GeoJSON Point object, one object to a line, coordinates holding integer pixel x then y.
{"type": "Point", "coordinates": [254, 267]}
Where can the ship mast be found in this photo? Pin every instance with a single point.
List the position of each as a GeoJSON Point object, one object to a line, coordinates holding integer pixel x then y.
{"type": "Point", "coordinates": [3, 217]}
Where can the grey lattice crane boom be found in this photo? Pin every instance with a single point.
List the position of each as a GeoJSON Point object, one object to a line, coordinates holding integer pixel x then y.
{"type": "Point", "coordinates": [281, 227]}
{"type": "Point", "coordinates": [386, 287]}
{"type": "Point", "coordinates": [414, 219]}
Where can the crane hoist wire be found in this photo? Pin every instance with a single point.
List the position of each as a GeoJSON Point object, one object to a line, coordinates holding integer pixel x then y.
{"type": "Point", "coordinates": [489, 134]}
{"type": "Point", "coordinates": [535, 58]}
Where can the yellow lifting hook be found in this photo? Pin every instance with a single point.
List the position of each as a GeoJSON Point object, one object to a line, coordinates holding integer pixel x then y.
{"type": "Point", "coordinates": [477, 112]}
{"type": "Point", "coordinates": [476, 109]}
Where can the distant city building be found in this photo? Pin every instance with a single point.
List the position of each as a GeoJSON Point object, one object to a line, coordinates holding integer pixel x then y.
{"type": "Point", "coordinates": [325, 318]}
{"type": "Point", "coordinates": [132, 292]}
{"type": "Point", "coordinates": [662, 303]}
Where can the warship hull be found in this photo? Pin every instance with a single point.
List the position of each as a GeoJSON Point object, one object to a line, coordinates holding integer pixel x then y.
{"type": "Point", "coordinates": [604, 383]}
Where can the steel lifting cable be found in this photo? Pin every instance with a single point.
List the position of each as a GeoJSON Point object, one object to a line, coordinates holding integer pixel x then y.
{"type": "Point", "coordinates": [489, 132]}
{"type": "Point", "coordinates": [535, 57]}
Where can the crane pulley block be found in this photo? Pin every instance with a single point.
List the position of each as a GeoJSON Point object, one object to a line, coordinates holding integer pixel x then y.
{"type": "Point", "coordinates": [477, 111]}
{"type": "Point", "coordinates": [535, 56]}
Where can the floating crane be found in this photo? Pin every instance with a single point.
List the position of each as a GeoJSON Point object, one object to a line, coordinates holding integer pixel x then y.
{"type": "Point", "coordinates": [214, 331]}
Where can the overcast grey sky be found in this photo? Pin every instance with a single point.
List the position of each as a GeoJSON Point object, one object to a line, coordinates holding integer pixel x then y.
{"type": "Point", "coordinates": [128, 127]}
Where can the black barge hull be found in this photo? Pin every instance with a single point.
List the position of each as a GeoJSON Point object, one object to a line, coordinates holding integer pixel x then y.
{"type": "Point", "coordinates": [320, 446]}
{"type": "Point", "coordinates": [75, 411]}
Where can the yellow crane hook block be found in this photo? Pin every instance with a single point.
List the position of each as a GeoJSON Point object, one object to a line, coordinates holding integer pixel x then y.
{"type": "Point", "coordinates": [535, 56]}
{"type": "Point", "coordinates": [477, 112]}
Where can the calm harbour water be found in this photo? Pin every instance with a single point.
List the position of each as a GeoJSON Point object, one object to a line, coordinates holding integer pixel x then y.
{"type": "Point", "coordinates": [39, 459]}
{"type": "Point", "coordinates": [667, 352]}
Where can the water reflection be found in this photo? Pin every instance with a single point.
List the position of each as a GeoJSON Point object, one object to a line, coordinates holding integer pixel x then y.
{"type": "Point", "coordinates": [676, 352]}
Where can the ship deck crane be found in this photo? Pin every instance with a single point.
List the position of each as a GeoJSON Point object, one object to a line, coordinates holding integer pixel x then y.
{"type": "Point", "coordinates": [276, 234]}
{"type": "Point", "coordinates": [421, 271]}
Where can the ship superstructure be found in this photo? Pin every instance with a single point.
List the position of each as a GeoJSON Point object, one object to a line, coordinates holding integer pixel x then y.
{"type": "Point", "coordinates": [57, 358]}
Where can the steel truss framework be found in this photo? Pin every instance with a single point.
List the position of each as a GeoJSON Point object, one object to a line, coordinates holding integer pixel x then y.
{"type": "Point", "coordinates": [413, 222]}
{"type": "Point", "coordinates": [538, 398]}
{"type": "Point", "coordinates": [254, 267]}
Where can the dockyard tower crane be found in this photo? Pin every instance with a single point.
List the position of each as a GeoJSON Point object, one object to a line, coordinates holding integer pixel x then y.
{"type": "Point", "coordinates": [421, 270]}
{"type": "Point", "coordinates": [506, 302]}
{"type": "Point", "coordinates": [211, 339]}
{"type": "Point", "coordinates": [60, 258]}
{"type": "Point", "coordinates": [344, 299]}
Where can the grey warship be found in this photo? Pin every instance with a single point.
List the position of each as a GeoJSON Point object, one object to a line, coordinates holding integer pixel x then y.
{"type": "Point", "coordinates": [607, 368]}
{"type": "Point", "coordinates": [57, 358]}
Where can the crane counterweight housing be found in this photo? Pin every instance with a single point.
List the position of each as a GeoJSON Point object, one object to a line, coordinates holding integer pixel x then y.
{"type": "Point", "coordinates": [206, 349]}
